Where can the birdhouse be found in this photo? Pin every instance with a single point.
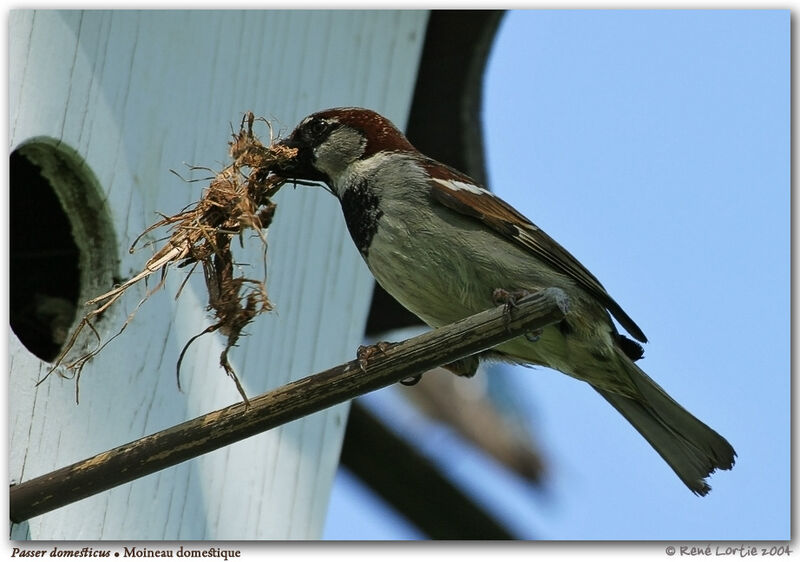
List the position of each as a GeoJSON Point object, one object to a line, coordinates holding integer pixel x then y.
{"type": "Point", "coordinates": [103, 106]}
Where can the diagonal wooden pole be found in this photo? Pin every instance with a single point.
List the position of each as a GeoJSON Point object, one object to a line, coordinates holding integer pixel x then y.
{"type": "Point", "coordinates": [289, 402]}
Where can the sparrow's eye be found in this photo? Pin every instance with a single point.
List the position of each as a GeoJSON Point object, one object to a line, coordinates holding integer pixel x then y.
{"type": "Point", "coordinates": [318, 127]}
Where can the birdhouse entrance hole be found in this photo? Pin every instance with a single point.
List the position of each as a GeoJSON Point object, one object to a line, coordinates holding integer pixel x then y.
{"type": "Point", "coordinates": [61, 243]}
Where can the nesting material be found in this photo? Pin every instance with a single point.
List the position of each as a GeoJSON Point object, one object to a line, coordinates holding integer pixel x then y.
{"type": "Point", "coordinates": [237, 198]}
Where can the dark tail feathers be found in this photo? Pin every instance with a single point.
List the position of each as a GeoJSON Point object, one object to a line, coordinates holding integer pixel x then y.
{"type": "Point", "coordinates": [689, 446]}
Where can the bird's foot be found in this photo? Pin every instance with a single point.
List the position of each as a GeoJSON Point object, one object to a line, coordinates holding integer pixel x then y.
{"type": "Point", "coordinates": [367, 352]}
{"type": "Point", "coordinates": [411, 381]}
{"type": "Point", "coordinates": [509, 299]}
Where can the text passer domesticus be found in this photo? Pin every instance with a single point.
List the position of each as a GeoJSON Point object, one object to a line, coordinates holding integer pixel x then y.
{"type": "Point", "coordinates": [446, 248]}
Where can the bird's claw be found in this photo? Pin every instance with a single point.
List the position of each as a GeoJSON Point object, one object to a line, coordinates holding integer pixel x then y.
{"type": "Point", "coordinates": [367, 352]}
{"type": "Point", "coordinates": [509, 299]}
{"type": "Point", "coordinates": [411, 381]}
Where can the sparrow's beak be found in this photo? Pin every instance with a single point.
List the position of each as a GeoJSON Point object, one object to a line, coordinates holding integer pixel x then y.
{"type": "Point", "coordinates": [300, 167]}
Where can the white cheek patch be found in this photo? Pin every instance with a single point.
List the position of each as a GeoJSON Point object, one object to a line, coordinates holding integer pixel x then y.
{"type": "Point", "coordinates": [456, 185]}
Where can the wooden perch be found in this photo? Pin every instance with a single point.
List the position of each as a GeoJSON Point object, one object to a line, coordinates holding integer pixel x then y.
{"type": "Point", "coordinates": [385, 366]}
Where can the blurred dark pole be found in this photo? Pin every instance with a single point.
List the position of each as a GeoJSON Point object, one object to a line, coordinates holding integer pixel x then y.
{"type": "Point", "coordinates": [445, 123]}
{"type": "Point", "coordinates": [412, 484]}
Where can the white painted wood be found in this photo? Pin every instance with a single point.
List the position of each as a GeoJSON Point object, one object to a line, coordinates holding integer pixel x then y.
{"type": "Point", "coordinates": [138, 93]}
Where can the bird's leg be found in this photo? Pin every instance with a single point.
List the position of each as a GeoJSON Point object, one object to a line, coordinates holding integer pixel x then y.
{"type": "Point", "coordinates": [366, 352]}
{"type": "Point", "coordinates": [510, 298]}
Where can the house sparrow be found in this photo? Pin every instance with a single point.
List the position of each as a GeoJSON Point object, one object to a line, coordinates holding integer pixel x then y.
{"type": "Point", "coordinates": [446, 248]}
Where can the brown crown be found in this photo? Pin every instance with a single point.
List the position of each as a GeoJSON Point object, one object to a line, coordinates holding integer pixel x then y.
{"type": "Point", "coordinates": [381, 134]}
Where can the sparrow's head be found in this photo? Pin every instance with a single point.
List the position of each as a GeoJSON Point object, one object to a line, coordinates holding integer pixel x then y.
{"type": "Point", "coordinates": [329, 141]}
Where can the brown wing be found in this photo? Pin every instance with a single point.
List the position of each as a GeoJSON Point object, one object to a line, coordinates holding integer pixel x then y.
{"type": "Point", "coordinates": [458, 193]}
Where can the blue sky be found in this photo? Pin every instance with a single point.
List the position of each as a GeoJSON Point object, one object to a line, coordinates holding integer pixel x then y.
{"type": "Point", "coordinates": [654, 145]}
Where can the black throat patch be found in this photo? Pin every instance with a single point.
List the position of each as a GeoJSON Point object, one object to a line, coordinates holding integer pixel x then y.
{"type": "Point", "coordinates": [361, 213]}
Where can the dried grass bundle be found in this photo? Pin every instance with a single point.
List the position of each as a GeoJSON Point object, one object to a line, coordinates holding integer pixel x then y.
{"type": "Point", "coordinates": [237, 199]}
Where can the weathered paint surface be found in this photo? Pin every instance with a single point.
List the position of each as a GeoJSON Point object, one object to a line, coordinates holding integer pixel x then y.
{"type": "Point", "coordinates": [138, 93]}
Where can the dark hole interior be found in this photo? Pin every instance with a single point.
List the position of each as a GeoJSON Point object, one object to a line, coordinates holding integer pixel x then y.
{"type": "Point", "coordinates": [44, 274]}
